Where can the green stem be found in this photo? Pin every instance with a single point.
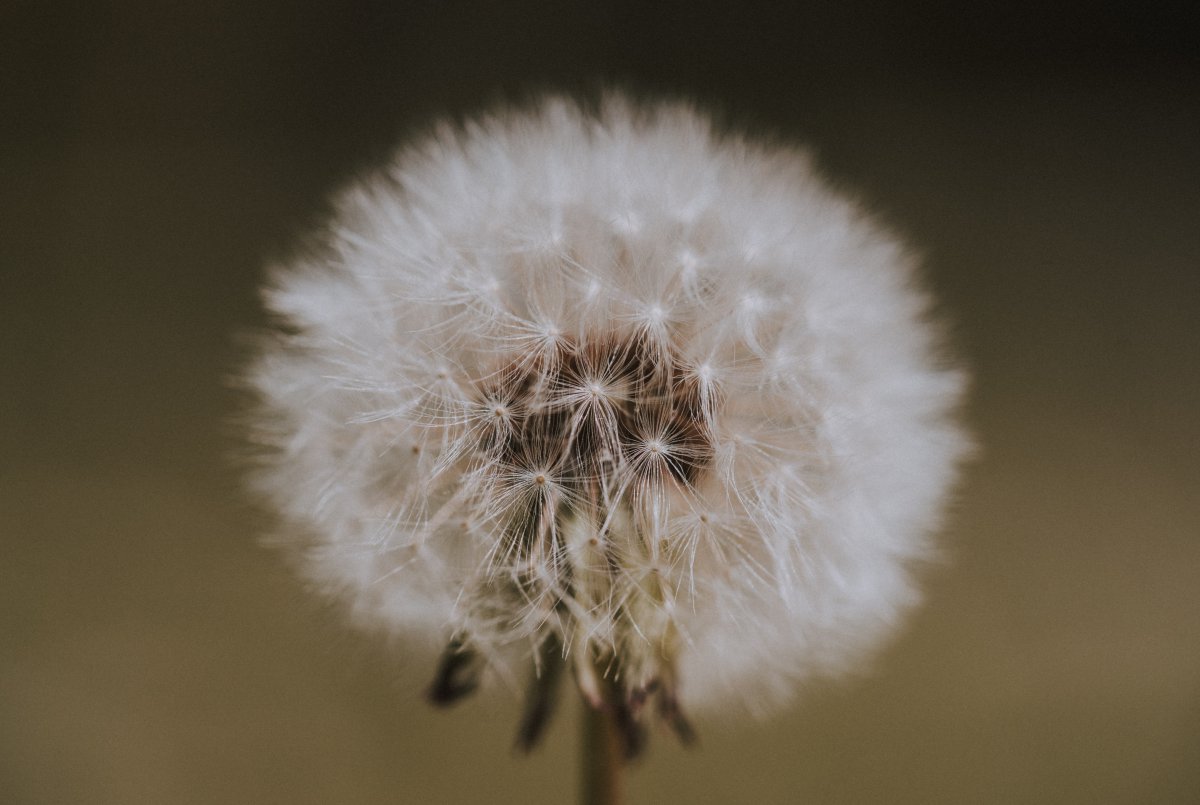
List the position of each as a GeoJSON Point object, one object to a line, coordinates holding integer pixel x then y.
{"type": "Point", "coordinates": [602, 757]}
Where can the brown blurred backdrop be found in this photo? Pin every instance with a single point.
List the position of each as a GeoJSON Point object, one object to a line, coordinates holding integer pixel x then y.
{"type": "Point", "coordinates": [153, 156]}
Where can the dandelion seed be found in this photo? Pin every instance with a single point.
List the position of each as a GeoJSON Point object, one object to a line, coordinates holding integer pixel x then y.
{"type": "Point", "coordinates": [691, 457]}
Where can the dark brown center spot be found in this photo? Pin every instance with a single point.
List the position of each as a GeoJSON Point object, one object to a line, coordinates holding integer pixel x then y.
{"type": "Point", "coordinates": [591, 407]}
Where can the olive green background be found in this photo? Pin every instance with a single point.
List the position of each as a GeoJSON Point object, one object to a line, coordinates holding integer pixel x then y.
{"type": "Point", "coordinates": [154, 156]}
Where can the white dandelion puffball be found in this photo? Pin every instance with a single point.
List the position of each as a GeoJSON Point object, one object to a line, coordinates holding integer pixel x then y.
{"type": "Point", "coordinates": [613, 390]}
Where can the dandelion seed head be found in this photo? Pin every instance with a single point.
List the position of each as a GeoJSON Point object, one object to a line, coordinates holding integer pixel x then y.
{"type": "Point", "coordinates": [616, 383]}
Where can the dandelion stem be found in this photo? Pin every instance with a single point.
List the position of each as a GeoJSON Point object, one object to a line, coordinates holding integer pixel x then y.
{"type": "Point", "coordinates": [603, 756]}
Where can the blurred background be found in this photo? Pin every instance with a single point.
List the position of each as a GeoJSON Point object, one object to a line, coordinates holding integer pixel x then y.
{"type": "Point", "coordinates": [154, 156]}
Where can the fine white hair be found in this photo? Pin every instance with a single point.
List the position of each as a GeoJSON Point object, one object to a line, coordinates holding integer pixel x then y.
{"type": "Point", "coordinates": [616, 380]}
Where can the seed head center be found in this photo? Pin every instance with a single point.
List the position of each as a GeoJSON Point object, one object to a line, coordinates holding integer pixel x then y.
{"type": "Point", "coordinates": [555, 420]}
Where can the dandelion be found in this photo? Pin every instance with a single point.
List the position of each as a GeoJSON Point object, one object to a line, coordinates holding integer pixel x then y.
{"type": "Point", "coordinates": [614, 397]}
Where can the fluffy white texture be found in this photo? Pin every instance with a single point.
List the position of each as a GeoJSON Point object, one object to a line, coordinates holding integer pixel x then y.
{"type": "Point", "coordinates": [512, 246]}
